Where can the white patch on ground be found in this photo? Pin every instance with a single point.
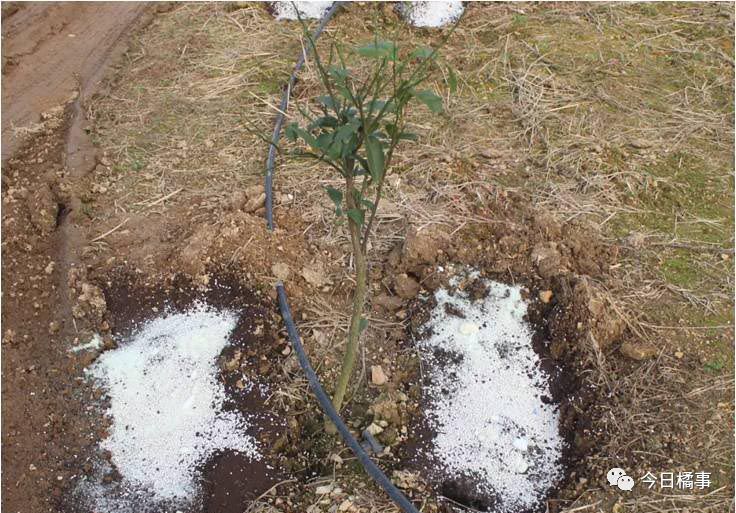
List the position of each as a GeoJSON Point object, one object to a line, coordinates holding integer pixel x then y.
{"type": "Point", "coordinates": [486, 384]}
{"type": "Point", "coordinates": [431, 14]}
{"type": "Point", "coordinates": [94, 343]}
{"type": "Point", "coordinates": [307, 10]}
{"type": "Point", "coordinates": [166, 409]}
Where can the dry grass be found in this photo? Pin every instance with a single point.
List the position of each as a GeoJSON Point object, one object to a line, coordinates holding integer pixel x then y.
{"type": "Point", "coordinates": [616, 116]}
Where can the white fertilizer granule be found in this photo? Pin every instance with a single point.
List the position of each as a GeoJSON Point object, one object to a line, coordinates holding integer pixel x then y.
{"type": "Point", "coordinates": [485, 392]}
{"type": "Point", "coordinates": [166, 407]}
{"type": "Point", "coordinates": [431, 14]}
{"type": "Point", "coordinates": [94, 343]}
{"type": "Point", "coordinates": [307, 10]}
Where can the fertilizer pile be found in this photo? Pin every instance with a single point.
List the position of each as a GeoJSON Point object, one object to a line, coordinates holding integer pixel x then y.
{"type": "Point", "coordinates": [418, 14]}
{"type": "Point", "coordinates": [486, 390]}
{"type": "Point", "coordinates": [166, 408]}
{"type": "Point", "coordinates": [306, 10]}
{"type": "Point", "coordinates": [431, 14]}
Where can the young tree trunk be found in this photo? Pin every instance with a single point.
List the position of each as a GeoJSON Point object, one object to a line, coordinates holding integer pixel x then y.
{"type": "Point", "coordinates": [351, 349]}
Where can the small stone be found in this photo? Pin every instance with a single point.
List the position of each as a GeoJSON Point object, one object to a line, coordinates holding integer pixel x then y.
{"type": "Point", "coordinates": [280, 271]}
{"type": "Point", "coordinates": [378, 376]}
{"type": "Point", "coordinates": [108, 343]}
{"type": "Point", "coordinates": [236, 201]}
{"type": "Point", "coordinates": [254, 191]}
{"type": "Point", "coordinates": [234, 362]}
{"type": "Point", "coordinates": [406, 287]}
{"type": "Point", "coordinates": [323, 490]}
{"type": "Point", "coordinates": [390, 303]}
{"type": "Point", "coordinates": [53, 327]}
{"type": "Point", "coordinates": [374, 429]}
{"type": "Point", "coordinates": [50, 267]}
{"type": "Point", "coordinates": [255, 203]}
{"type": "Point", "coordinates": [314, 275]}
{"type": "Point", "coordinates": [638, 351]}
{"type": "Point", "coordinates": [679, 355]}
{"type": "Point", "coordinates": [519, 465]}
{"type": "Point", "coordinates": [545, 296]}
{"type": "Point", "coordinates": [32, 467]}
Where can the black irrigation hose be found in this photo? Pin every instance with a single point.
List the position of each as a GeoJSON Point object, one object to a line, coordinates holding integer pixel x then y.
{"type": "Point", "coordinates": [282, 111]}
{"type": "Point", "coordinates": [324, 401]}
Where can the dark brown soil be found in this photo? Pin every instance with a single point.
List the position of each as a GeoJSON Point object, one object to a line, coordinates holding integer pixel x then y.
{"type": "Point", "coordinates": [229, 480]}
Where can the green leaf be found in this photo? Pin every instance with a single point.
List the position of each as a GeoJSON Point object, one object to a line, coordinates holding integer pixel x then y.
{"type": "Point", "coordinates": [430, 99]}
{"type": "Point", "coordinates": [422, 52]}
{"type": "Point", "coordinates": [335, 195]}
{"type": "Point", "coordinates": [344, 133]}
{"type": "Point", "coordinates": [326, 100]}
{"type": "Point", "coordinates": [291, 131]}
{"type": "Point", "coordinates": [374, 151]}
{"type": "Point", "coordinates": [363, 324]}
{"type": "Point", "coordinates": [324, 121]}
{"type": "Point", "coordinates": [324, 142]}
{"type": "Point", "coordinates": [294, 131]}
{"type": "Point", "coordinates": [451, 79]}
{"type": "Point", "coordinates": [340, 74]}
{"type": "Point", "coordinates": [356, 215]}
{"type": "Point", "coordinates": [379, 50]}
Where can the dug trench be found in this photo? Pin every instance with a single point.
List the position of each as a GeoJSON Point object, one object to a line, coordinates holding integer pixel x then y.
{"type": "Point", "coordinates": [566, 394]}
{"type": "Point", "coordinates": [225, 479]}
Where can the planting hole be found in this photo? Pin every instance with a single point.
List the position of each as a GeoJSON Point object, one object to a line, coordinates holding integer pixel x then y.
{"type": "Point", "coordinates": [493, 439]}
{"type": "Point", "coordinates": [188, 427]}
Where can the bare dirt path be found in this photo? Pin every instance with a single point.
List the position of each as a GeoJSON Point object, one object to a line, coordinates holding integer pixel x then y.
{"type": "Point", "coordinates": [54, 57]}
{"type": "Point", "coordinates": [50, 51]}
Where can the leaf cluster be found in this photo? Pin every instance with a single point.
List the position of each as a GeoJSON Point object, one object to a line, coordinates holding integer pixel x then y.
{"type": "Point", "coordinates": [356, 124]}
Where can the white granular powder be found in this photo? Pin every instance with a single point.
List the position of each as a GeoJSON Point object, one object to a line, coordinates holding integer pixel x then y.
{"type": "Point", "coordinates": [307, 10]}
{"type": "Point", "coordinates": [485, 393]}
{"type": "Point", "coordinates": [432, 14]}
{"type": "Point", "coordinates": [166, 407]}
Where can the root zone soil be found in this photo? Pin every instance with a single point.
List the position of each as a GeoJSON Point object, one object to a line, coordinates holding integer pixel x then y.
{"type": "Point", "coordinates": [228, 479]}
{"type": "Point", "coordinates": [566, 393]}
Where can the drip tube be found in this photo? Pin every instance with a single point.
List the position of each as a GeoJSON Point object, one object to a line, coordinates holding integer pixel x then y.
{"type": "Point", "coordinates": [324, 401]}
{"type": "Point", "coordinates": [282, 110]}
